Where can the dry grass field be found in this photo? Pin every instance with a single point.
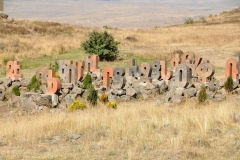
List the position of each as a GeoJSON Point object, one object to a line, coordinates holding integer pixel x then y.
{"type": "Point", "coordinates": [137, 130]}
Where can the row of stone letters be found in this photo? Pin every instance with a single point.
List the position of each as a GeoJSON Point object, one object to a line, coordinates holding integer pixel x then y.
{"type": "Point", "coordinates": [184, 67]}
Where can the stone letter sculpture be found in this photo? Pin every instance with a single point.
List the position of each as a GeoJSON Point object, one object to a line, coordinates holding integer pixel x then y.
{"type": "Point", "coordinates": [182, 75]}
{"type": "Point", "coordinates": [156, 70]}
{"type": "Point", "coordinates": [107, 74]}
{"type": "Point", "coordinates": [232, 69]}
{"type": "Point", "coordinates": [165, 75]}
{"type": "Point", "coordinates": [205, 70]}
{"type": "Point", "coordinates": [14, 67]}
{"type": "Point", "coordinates": [175, 61]}
{"type": "Point", "coordinates": [133, 69]}
{"type": "Point", "coordinates": [54, 84]}
{"type": "Point", "coordinates": [71, 73]}
{"type": "Point", "coordinates": [146, 70]}
{"type": "Point", "coordinates": [188, 56]}
{"type": "Point", "coordinates": [118, 78]}
{"type": "Point", "coordinates": [42, 74]}
{"type": "Point", "coordinates": [92, 63]}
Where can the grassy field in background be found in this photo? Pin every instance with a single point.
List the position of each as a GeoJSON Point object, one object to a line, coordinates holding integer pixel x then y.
{"type": "Point", "coordinates": [136, 130]}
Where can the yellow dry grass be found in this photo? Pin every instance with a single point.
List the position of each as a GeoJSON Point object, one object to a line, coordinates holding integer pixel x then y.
{"type": "Point", "coordinates": [139, 130]}
{"type": "Point", "coordinates": [215, 40]}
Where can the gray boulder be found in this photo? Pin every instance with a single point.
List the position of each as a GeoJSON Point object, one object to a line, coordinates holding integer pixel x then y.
{"type": "Point", "coordinates": [190, 92]}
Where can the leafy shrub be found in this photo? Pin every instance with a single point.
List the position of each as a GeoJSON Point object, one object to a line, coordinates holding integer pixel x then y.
{"type": "Point", "coordinates": [76, 105]}
{"type": "Point", "coordinates": [189, 21]}
{"type": "Point", "coordinates": [103, 98]}
{"type": "Point", "coordinates": [102, 44]}
{"type": "Point", "coordinates": [16, 91]}
{"type": "Point", "coordinates": [54, 66]}
{"type": "Point", "coordinates": [87, 81]}
{"type": "Point", "coordinates": [112, 104]}
{"type": "Point", "coordinates": [92, 95]}
{"type": "Point", "coordinates": [228, 85]}
{"type": "Point", "coordinates": [34, 84]}
{"type": "Point", "coordinates": [202, 96]}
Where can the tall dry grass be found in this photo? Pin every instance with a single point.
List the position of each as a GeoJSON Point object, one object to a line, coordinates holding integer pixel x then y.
{"type": "Point", "coordinates": [22, 39]}
{"type": "Point", "coordinates": [133, 131]}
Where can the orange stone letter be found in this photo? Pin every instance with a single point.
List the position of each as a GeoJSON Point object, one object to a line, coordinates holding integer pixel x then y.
{"type": "Point", "coordinates": [54, 84]}
{"type": "Point", "coordinates": [232, 69]}
{"type": "Point", "coordinates": [14, 67]}
{"type": "Point", "coordinates": [165, 75]}
{"type": "Point", "coordinates": [107, 74]}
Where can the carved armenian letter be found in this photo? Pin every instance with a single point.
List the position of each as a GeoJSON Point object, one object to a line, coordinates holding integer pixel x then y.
{"type": "Point", "coordinates": [118, 78]}
{"type": "Point", "coordinates": [54, 84]}
{"type": "Point", "coordinates": [156, 70]}
{"type": "Point", "coordinates": [182, 75]}
{"type": "Point", "coordinates": [232, 69]}
{"type": "Point", "coordinates": [107, 74]}
{"type": "Point", "coordinates": [165, 75]}
{"type": "Point", "coordinates": [14, 67]}
{"type": "Point", "coordinates": [146, 71]}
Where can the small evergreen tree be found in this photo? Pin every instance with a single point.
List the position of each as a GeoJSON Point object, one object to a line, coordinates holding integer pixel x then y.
{"type": "Point", "coordinates": [228, 85]}
{"type": "Point", "coordinates": [34, 84]}
{"type": "Point", "coordinates": [202, 96]}
{"type": "Point", "coordinates": [92, 95]}
{"type": "Point", "coordinates": [87, 81]}
{"type": "Point", "coordinates": [102, 44]}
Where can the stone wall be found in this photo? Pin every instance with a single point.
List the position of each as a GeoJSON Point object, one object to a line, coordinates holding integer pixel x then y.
{"type": "Point", "coordinates": [183, 81]}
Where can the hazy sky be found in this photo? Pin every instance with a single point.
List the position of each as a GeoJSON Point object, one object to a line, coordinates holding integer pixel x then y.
{"type": "Point", "coordinates": [116, 13]}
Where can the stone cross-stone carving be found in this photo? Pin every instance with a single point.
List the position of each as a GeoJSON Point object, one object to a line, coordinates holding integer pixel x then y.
{"type": "Point", "coordinates": [14, 67]}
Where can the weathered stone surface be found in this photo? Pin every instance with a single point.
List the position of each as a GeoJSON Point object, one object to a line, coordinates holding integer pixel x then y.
{"type": "Point", "coordinates": [179, 91]}
{"type": "Point", "coordinates": [2, 93]}
{"type": "Point", "coordinates": [43, 100]}
{"type": "Point", "coordinates": [27, 101]}
{"type": "Point", "coordinates": [112, 97]}
{"type": "Point", "coordinates": [125, 98]}
{"type": "Point", "coordinates": [182, 75]}
{"type": "Point", "coordinates": [7, 82]}
{"type": "Point", "coordinates": [219, 98]}
{"type": "Point", "coordinates": [210, 94]}
{"type": "Point", "coordinates": [190, 92]}
{"type": "Point", "coordinates": [121, 92]}
{"type": "Point", "coordinates": [25, 82]}
{"type": "Point", "coordinates": [16, 83]}
{"type": "Point", "coordinates": [67, 85]}
{"type": "Point", "coordinates": [77, 90]}
{"type": "Point", "coordinates": [15, 101]}
{"type": "Point", "coordinates": [177, 99]}
{"type": "Point", "coordinates": [130, 92]}
{"type": "Point", "coordinates": [70, 98]}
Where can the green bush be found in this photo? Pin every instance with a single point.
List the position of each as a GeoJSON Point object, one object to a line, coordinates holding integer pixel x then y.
{"type": "Point", "coordinates": [92, 95]}
{"type": "Point", "coordinates": [189, 21]}
{"type": "Point", "coordinates": [76, 105]}
{"type": "Point", "coordinates": [202, 96]}
{"type": "Point", "coordinates": [16, 91]}
{"type": "Point", "coordinates": [228, 85]}
{"type": "Point", "coordinates": [102, 44]}
{"type": "Point", "coordinates": [34, 84]}
{"type": "Point", "coordinates": [112, 104]}
{"type": "Point", "coordinates": [87, 81]}
{"type": "Point", "coordinates": [103, 98]}
{"type": "Point", "coordinates": [54, 66]}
